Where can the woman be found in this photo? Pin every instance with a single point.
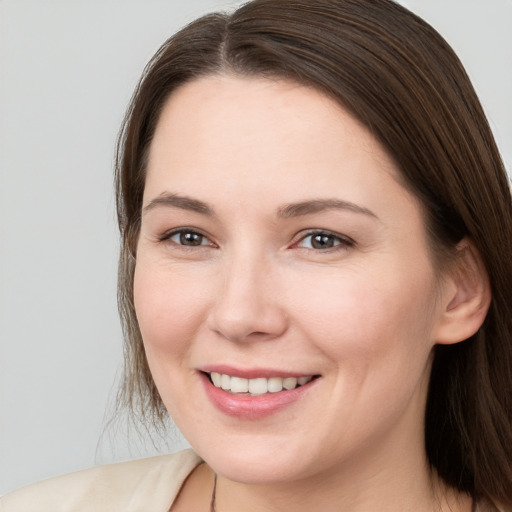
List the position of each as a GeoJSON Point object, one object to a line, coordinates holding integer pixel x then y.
{"type": "Point", "coordinates": [314, 274]}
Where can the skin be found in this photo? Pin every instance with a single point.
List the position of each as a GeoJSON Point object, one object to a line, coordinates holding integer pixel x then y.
{"type": "Point", "coordinates": [363, 314]}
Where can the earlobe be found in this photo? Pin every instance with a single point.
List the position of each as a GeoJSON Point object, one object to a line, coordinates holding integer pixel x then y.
{"type": "Point", "coordinates": [466, 296]}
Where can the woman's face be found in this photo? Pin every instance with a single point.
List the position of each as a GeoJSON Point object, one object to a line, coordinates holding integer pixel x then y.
{"type": "Point", "coordinates": [278, 244]}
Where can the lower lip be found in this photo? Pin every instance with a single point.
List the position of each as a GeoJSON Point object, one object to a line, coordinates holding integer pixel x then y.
{"type": "Point", "coordinates": [252, 407]}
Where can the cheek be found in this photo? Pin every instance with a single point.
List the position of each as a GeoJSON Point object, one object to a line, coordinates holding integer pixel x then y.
{"type": "Point", "coordinates": [168, 306]}
{"type": "Point", "coordinates": [375, 330]}
{"type": "Point", "coordinates": [370, 314]}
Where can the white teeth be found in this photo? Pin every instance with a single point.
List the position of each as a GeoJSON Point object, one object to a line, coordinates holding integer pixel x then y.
{"type": "Point", "coordinates": [275, 384]}
{"type": "Point", "coordinates": [216, 378]}
{"type": "Point", "coordinates": [258, 386]}
{"type": "Point", "coordinates": [290, 383]}
{"type": "Point", "coordinates": [225, 382]}
{"type": "Point", "coordinates": [239, 385]}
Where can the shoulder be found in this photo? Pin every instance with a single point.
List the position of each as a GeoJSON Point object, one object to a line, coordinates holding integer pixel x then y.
{"type": "Point", "coordinates": [144, 484]}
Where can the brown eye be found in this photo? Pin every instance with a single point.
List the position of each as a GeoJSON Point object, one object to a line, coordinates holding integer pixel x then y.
{"type": "Point", "coordinates": [189, 239]}
{"type": "Point", "coordinates": [323, 241]}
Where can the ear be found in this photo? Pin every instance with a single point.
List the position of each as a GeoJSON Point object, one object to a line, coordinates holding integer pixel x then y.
{"type": "Point", "coordinates": [466, 296]}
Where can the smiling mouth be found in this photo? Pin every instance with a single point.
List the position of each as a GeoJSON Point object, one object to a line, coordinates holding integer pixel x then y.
{"type": "Point", "coordinates": [257, 386]}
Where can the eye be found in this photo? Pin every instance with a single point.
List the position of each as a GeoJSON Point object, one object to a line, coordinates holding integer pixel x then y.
{"type": "Point", "coordinates": [324, 240]}
{"type": "Point", "coordinates": [187, 238]}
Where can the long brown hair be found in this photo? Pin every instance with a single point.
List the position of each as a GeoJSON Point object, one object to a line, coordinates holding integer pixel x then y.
{"type": "Point", "coordinates": [397, 75]}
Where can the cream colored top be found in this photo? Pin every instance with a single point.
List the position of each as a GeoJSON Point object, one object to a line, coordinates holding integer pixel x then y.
{"type": "Point", "coordinates": [144, 485]}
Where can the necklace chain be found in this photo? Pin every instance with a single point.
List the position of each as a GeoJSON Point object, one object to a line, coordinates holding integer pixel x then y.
{"type": "Point", "coordinates": [214, 492]}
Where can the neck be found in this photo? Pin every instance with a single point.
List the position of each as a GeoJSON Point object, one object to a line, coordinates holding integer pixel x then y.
{"type": "Point", "coordinates": [420, 491]}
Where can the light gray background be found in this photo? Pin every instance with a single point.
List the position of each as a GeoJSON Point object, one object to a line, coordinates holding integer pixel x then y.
{"type": "Point", "coordinates": [67, 70]}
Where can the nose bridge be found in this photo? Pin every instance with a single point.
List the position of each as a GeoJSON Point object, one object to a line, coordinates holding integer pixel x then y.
{"type": "Point", "coordinates": [247, 306]}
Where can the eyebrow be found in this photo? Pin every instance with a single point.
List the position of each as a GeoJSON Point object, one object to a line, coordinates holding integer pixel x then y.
{"type": "Point", "coordinates": [177, 201]}
{"type": "Point", "coordinates": [286, 211]}
{"type": "Point", "coordinates": [320, 205]}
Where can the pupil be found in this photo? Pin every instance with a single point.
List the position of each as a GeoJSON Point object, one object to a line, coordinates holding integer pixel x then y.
{"type": "Point", "coordinates": [190, 239]}
{"type": "Point", "coordinates": [322, 242]}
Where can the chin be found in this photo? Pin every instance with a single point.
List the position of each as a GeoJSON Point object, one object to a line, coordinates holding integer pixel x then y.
{"type": "Point", "coordinates": [254, 462]}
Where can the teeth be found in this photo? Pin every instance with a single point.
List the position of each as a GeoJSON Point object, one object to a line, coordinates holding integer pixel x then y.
{"type": "Point", "coordinates": [225, 382]}
{"type": "Point", "coordinates": [239, 385]}
{"type": "Point", "coordinates": [275, 384]}
{"type": "Point", "coordinates": [290, 383]}
{"type": "Point", "coordinates": [216, 378]}
{"type": "Point", "coordinates": [258, 386]}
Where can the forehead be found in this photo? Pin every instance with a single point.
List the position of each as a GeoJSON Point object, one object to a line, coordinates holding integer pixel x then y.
{"type": "Point", "coordinates": [261, 112]}
{"type": "Point", "coordinates": [247, 139]}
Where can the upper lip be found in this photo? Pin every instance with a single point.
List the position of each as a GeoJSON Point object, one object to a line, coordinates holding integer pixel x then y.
{"type": "Point", "coordinates": [252, 373]}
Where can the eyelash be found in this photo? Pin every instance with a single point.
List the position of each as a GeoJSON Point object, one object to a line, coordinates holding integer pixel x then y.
{"type": "Point", "coordinates": [340, 242]}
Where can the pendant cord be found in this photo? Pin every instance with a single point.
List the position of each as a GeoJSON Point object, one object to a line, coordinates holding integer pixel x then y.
{"type": "Point", "coordinates": [214, 492]}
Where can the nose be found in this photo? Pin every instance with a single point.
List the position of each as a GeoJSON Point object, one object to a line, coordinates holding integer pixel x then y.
{"type": "Point", "coordinates": [247, 306]}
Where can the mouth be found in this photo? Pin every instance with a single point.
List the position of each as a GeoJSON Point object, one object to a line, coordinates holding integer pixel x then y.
{"type": "Point", "coordinates": [257, 386]}
{"type": "Point", "coordinates": [254, 394]}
